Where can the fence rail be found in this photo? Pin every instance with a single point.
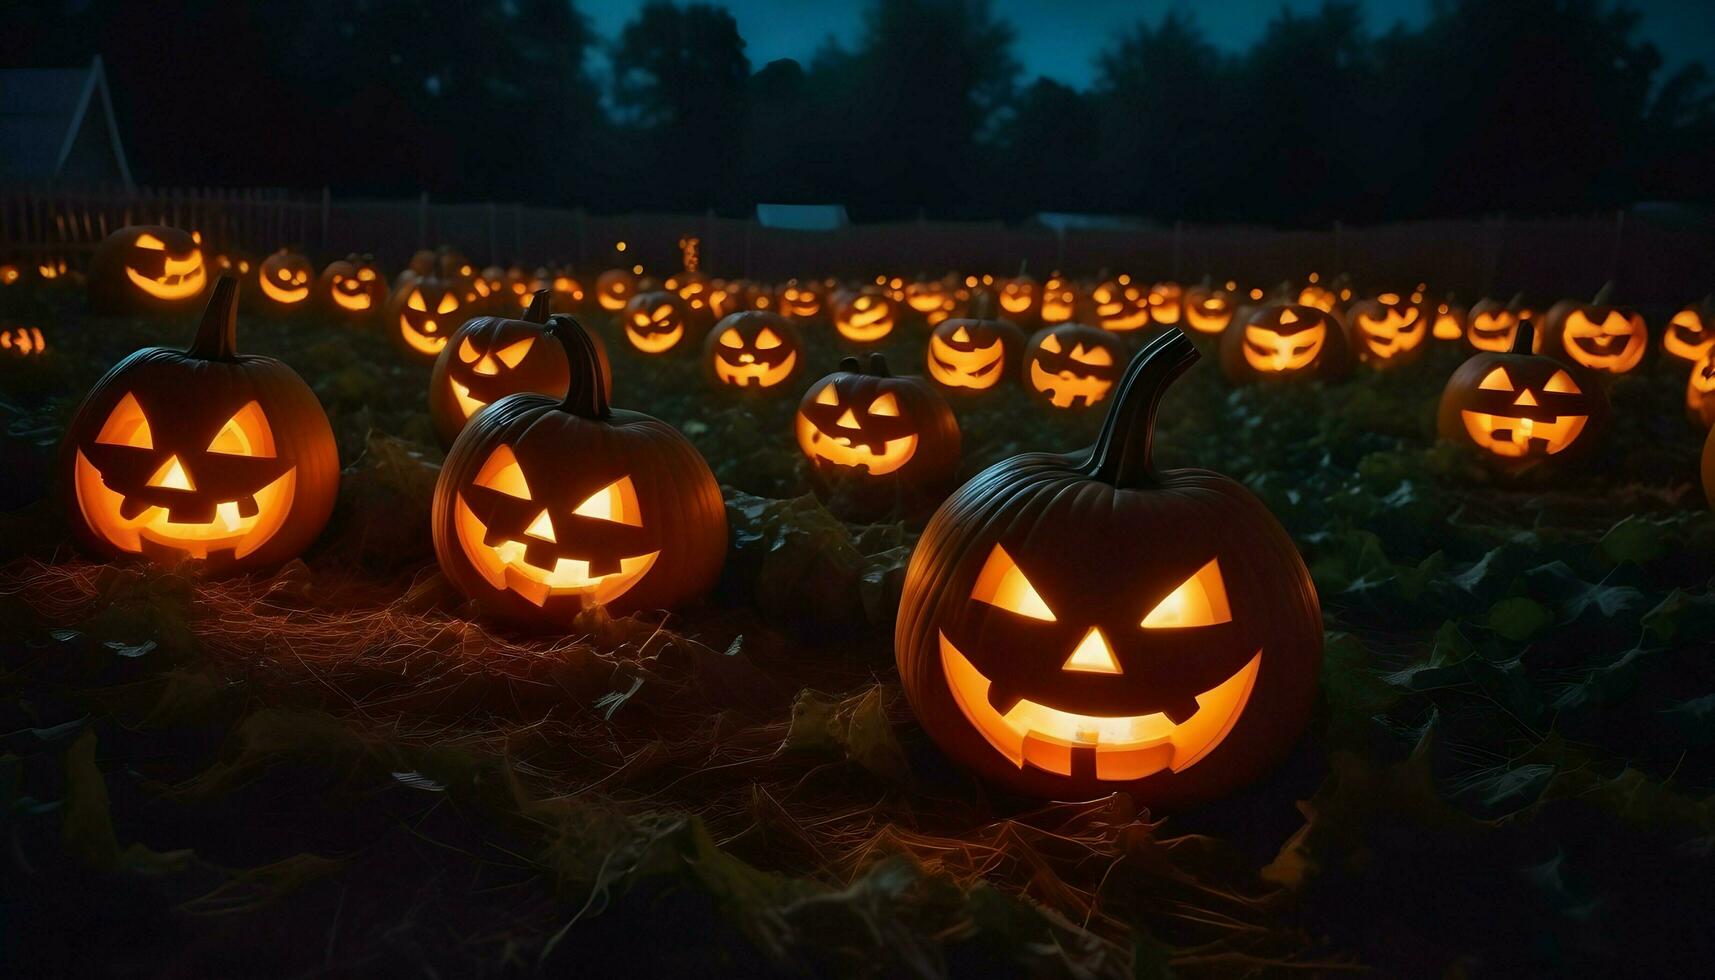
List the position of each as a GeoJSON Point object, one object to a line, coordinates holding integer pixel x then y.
{"type": "Point", "coordinates": [1653, 260]}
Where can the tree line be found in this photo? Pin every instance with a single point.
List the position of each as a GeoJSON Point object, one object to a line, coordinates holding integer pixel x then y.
{"type": "Point", "coordinates": [1528, 106]}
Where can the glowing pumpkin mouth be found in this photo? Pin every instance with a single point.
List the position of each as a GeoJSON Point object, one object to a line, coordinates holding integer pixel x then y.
{"type": "Point", "coordinates": [421, 340]}
{"type": "Point", "coordinates": [1125, 747]}
{"type": "Point", "coordinates": [654, 342]}
{"type": "Point", "coordinates": [983, 374]}
{"type": "Point", "coordinates": [765, 375]}
{"type": "Point", "coordinates": [1516, 437]}
{"type": "Point", "coordinates": [505, 566]}
{"type": "Point", "coordinates": [281, 294]}
{"type": "Point", "coordinates": [1208, 321]}
{"type": "Point", "coordinates": [355, 302]}
{"type": "Point", "coordinates": [1065, 388]}
{"type": "Point", "coordinates": [241, 526]}
{"type": "Point", "coordinates": [179, 278]}
{"type": "Point", "coordinates": [1111, 319]}
{"type": "Point", "coordinates": [870, 324]}
{"type": "Point", "coordinates": [843, 451]}
{"type": "Point", "coordinates": [1015, 303]}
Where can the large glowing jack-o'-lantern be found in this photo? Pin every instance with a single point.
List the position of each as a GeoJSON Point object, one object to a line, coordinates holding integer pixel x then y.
{"type": "Point", "coordinates": [490, 357]}
{"type": "Point", "coordinates": [1690, 333]}
{"type": "Point", "coordinates": [284, 280]}
{"type": "Point", "coordinates": [1178, 668]}
{"type": "Point", "coordinates": [422, 313]}
{"type": "Point", "coordinates": [147, 269]}
{"type": "Point", "coordinates": [752, 351]}
{"type": "Point", "coordinates": [546, 507]}
{"type": "Point", "coordinates": [352, 287]}
{"type": "Point", "coordinates": [1284, 342]}
{"type": "Point", "coordinates": [969, 356]}
{"type": "Point", "coordinates": [1522, 411]}
{"type": "Point", "coordinates": [655, 322]}
{"type": "Point", "coordinates": [1388, 330]}
{"type": "Point", "coordinates": [1597, 335]}
{"type": "Point", "coordinates": [1070, 365]}
{"type": "Point", "coordinates": [202, 454]}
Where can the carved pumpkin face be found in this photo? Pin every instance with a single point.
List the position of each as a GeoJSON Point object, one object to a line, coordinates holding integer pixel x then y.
{"type": "Point", "coordinates": [352, 287]}
{"type": "Point", "coordinates": [1492, 325]}
{"type": "Point", "coordinates": [854, 423]}
{"type": "Point", "coordinates": [568, 292]}
{"type": "Point", "coordinates": [1389, 329]}
{"type": "Point", "coordinates": [1208, 309]}
{"type": "Point", "coordinates": [1700, 392]}
{"type": "Point", "coordinates": [1448, 322]}
{"type": "Point", "coordinates": [1175, 671]}
{"type": "Point", "coordinates": [423, 313]}
{"type": "Point", "coordinates": [1119, 306]}
{"type": "Point", "coordinates": [655, 322]}
{"type": "Point", "coordinates": [1166, 300]}
{"type": "Point", "coordinates": [866, 318]}
{"type": "Point", "coordinates": [1689, 334]}
{"type": "Point", "coordinates": [201, 454]}
{"type": "Point", "coordinates": [753, 351]}
{"type": "Point", "coordinates": [50, 269]}
{"type": "Point", "coordinates": [1059, 301]}
{"type": "Point", "coordinates": [614, 288]}
{"type": "Point", "coordinates": [1519, 408]}
{"type": "Point", "coordinates": [801, 301]}
{"type": "Point", "coordinates": [1284, 341]}
{"type": "Point", "coordinates": [147, 268]}
{"type": "Point", "coordinates": [9, 273]}
{"type": "Point", "coordinates": [973, 355]}
{"type": "Point", "coordinates": [22, 341]}
{"type": "Point", "coordinates": [285, 279]}
{"type": "Point", "coordinates": [1017, 298]}
{"type": "Point", "coordinates": [925, 295]}
{"type": "Point", "coordinates": [1318, 297]}
{"type": "Point", "coordinates": [547, 507]}
{"type": "Point", "coordinates": [1598, 336]}
{"type": "Point", "coordinates": [1072, 366]}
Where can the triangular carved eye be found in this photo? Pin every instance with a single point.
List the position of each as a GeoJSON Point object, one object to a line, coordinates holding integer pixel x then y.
{"type": "Point", "coordinates": [1496, 380]}
{"type": "Point", "coordinates": [448, 303]}
{"type": "Point", "coordinates": [730, 338]}
{"type": "Point", "coordinates": [126, 425]}
{"type": "Point", "coordinates": [467, 351]}
{"type": "Point", "coordinates": [1562, 383]}
{"type": "Point", "coordinates": [245, 434]}
{"type": "Point", "coordinates": [616, 502]}
{"type": "Point", "coordinates": [1200, 600]}
{"type": "Point", "coordinates": [415, 301]}
{"type": "Point", "coordinates": [886, 405]}
{"type": "Point", "coordinates": [1002, 584]}
{"type": "Point", "coordinates": [1051, 344]}
{"type": "Point", "coordinates": [828, 396]}
{"type": "Point", "coordinates": [502, 474]}
{"type": "Point", "coordinates": [767, 340]}
{"type": "Point", "coordinates": [513, 353]}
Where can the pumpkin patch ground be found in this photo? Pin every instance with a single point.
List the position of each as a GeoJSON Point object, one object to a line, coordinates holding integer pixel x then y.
{"type": "Point", "coordinates": [340, 766]}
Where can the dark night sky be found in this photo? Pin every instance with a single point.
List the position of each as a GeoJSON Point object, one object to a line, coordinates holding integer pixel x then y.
{"type": "Point", "coordinates": [1060, 38]}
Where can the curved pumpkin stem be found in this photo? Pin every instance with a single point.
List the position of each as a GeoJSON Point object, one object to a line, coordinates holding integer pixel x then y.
{"type": "Point", "coordinates": [537, 312]}
{"type": "Point", "coordinates": [1121, 455]}
{"type": "Point", "coordinates": [1524, 338]}
{"type": "Point", "coordinates": [586, 396]}
{"type": "Point", "coordinates": [217, 335]}
{"type": "Point", "coordinates": [878, 365]}
{"type": "Point", "coordinates": [851, 365]}
{"type": "Point", "coordinates": [1605, 295]}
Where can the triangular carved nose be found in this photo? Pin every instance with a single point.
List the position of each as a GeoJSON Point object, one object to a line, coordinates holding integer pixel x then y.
{"type": "Point", "coordinates": [172, 476]}
{"type": "Point", "coordinates": [542, 528]}
{"type": "Point", "coordinates": [847, 421]}
{"type": "Point", "coordinates": [1525, 399]}
{"type": "Point", "coordinates": [1093, 655]}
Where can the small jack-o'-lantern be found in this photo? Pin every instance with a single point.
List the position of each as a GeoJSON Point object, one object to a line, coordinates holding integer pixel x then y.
{"type": "Point", "coordinates": [1284, 341]}
{"type": "Point", "coordinates": [969, 356]}
{"type": "Point", "coordinates": [865, 317]}
{"type": "Point", "coordinates": [753, 351]}
{"type": "Point", "coordinates": [1522, 411]}
{"type": "Point", "coordinates": [801, 300]}
{"type": "Point", "coordinates": [352, 287]}
{"type": "Point", "coordinates": [1177, 668]}
{"type": "Point", "coordinates": [284, 280]}
{"type": "Point", "coordinates": [147, 269]}
{"type": "Point", "coordinates": [614, 289]}
{"type": "Point", "coordinates": [52, 267]}
{"type": "Point", "coordinates": [1598, 335]}
{"type": "Point", "coordinates": [492, 280]}
{"type": "Point", "coordinates": [1690, 334]}
{"type": "Point", "coordinates": [422, 313]}
{"type": "Point", "coordinates": [201, 454]}
{"type": "Point", "coordinates": [22, 341]}
{"type": "Point", "coordinates": [9, 273]}
{"type": "Point", "coordinates": [693, 287]}
{"type": "Point", "coordinates": [1318, 296]}
{"type": "Point", "coordinates": [1448, 321]}
{"type": "Point", "coordinates": [1388, 330]}
{"type": "Point", "coordinates": [1492, 324]}
{"type": "Point", "coordinates": [239, 265]}
{"type": "Point", "coordinates": [1166, 300]}
{"type": "Point", "coordinates": [1208, 308]}
{"type": "Point", "coordinates": [1070, 365]}
{"type": "Point", "coordinates": [926, 295]}
{"type": "Point", "coordinates": [1119, 306]}
{"type": "Point", "coordinates": [1700, 392]}
{"type": "Point", "coordinates": [546, 507]}
{"type": "Point", "coordinates": [1017, 298]}
{"type": "Point", "coordinates": [567, 291]}
{"type": "Point", "coordinates": [859, 426]}
{"type": "Point", "coordinates": [1059, 301]}
{"type": "Point", "coordinates": [490, 357]}
{"type": "Point", "coordinates": [656, 321]}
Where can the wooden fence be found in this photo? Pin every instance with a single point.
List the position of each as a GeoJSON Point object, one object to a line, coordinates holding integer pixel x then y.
{"type": "Point", "coordinates": [1656, 256]}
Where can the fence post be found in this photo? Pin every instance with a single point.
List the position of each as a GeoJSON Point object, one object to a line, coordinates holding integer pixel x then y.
{"type": "Point", "coordinates": [327, 206]}
{"type": "Point", "coordinates": [1619, 246]}
{"type": "Point", "coordinates": [423, 220]}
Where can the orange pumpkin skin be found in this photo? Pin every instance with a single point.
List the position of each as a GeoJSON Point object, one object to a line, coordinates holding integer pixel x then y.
{"type": "Point", "coordinates": [204, 450]}
{"type": "Point", "coordinates": [1006, 668]}
{"type": "Point", "coordinates": [1285, 342]}
{"type": "Point", "coordinates": [490, 357]}
{"type": "Point", "coordinates": [147, 269]}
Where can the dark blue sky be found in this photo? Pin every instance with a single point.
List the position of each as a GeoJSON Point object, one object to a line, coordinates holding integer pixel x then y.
{"type": "Point", "coordinates": [1060, 38]}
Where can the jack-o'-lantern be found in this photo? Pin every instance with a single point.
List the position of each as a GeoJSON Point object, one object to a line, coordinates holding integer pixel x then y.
{"type": "Point", "coordinates": [493, 282]}
{"type": "Point", "coordinates": [422, 313]}
{"type": "Point", "coordinates": [423, 262]}
{"type": "Point", "coordinates": [1522, 411]}
{"type": "Point", "coordinates": [1690, 333]}
{"type": "Point", "coordinates": [973, 355]}
{"type": "Point", "coordinates": [1118, 306]}
{"type": "Point", "coordinates": [925, 295]}
{"type": "Point", "coordinates": [568, 292]}
{"type": "Point", "coordinates": [1059, 301]}
{"type": "Point", "coordinates": [22, 341]}
{"type": "Point", "coordinates": [1072, 366]}
{"type": "Point", "coordinates": [1177, 668]}
{"type": "Point", "coordinates": [490, 357]}
{"type": "Point", "coordinates": [1700, 392]}
{"type": "Point", "coordinates": [1284, 341]}
{"type": "Point", "coordinates": [1388, 330]}
{"type": "Point", "coordinates": [51, 268]}
{"type": "Point", "coordinates": [753, 351]}
{"type": "Point", "coordinates": [451, 264]}
{"type": "Point", "coordinates": [1166, 300]}
{"type": "Point", "coordinates": [1492, 324]}
{"type": "Point", "coordinates": [865, 317]}
{"type": "Point", "coordinates": [146, 269]}
{"type": "Point", "coordinates": [875, 441]}
{"type": "Point", "coordinates": [614, 289]}
{"type": "Point", "coordinates": [1208, 308]}
{"type": "Point", "coordinates": [728, 297]}
{"type": "Point", "coordinates": [352, 287]}
{"type": "Point", "coordinates": [1448, 321]}
{"type": "Point", "coordinates": [204, 454]}
{"type": "Point", "coordinates": [1318, 296]}
{"type": "Point", "coordinates": [239, 265]}
{"type": "Point", "coordinates": [1597, 335]}
{"type": "Point", "coordinates": [656, 321]}
{"type": "Point", "coordinates": [284, 280]}
{"type": "Point", "coordinates": [1017, 299]}
{"type": "Point", "coordinates": [801, 300]}
{"type": "Point", "coordinates": [546, 507]}
{"type": "Point", "coordinates": [9, 273]}
{"type": "Point", "coordinates": [693, 287]}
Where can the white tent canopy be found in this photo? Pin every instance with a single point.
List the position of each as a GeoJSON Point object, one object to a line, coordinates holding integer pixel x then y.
{"type": "Point", "coordinates": [802, 217]}
{"type": "Point", "coordinates": [58, 124]}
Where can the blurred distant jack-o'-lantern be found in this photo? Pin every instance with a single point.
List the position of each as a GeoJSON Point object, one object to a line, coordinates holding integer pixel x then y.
{"type": "Point", "coordinates": [146, 269]}
{"type": "Point", "coordinates": [285, 279]}
{"type": "Point", "coordinates": [1119, 307]}
{"type": "Point", "coordinates": [1388, 330]}
{"type": "Point", "coordinates": [1166, 302]}
{"type": "Point", "coordinates": [1208, 308]}
{"type": "Point", "coordinates": [422, 313]}
{"type": "Point", "coordinates": [1448, 321]}
{"type": "Point", "coordinates": [1690, 333]}
{"type": "Point", "coordinates": [656, 321]}
{"type": "Point", "coordinates": [1283, 342]}
{"type": "Point", "coordinates": [973, 355]}
{"type": "Point", "coordinates": [22, 341]}
{"type": "Point", "coordinates": [352, 287]}
{"type": "Point", "coordinates": [614, 288]}
{"type": "Point", "coordinates": [866, 318]}
{"type": "Point", "coordinates": [1597, 335]}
